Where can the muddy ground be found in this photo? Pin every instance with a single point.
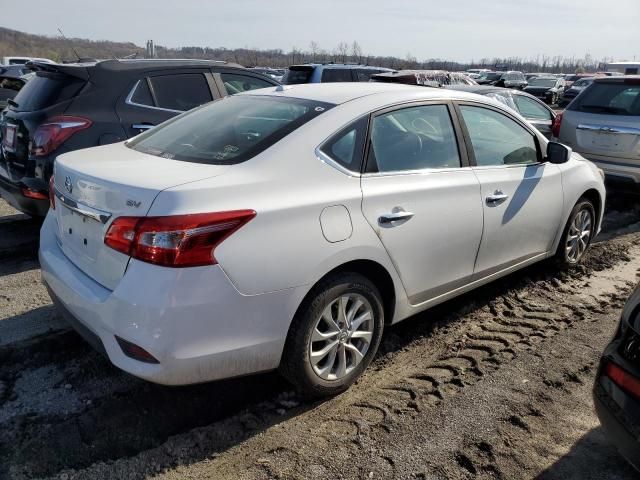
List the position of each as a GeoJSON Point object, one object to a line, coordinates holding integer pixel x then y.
{"type": "Point", "coordinates": [494, 384]}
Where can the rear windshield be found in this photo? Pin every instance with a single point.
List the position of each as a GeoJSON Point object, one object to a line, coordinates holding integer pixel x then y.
{"type": "Point", "coordinates": [297, 75]}
{"type": "Point", "coordinates": [609, 98]}
{"type": "Point", "coordinates": [45, 90]}
{"type": "Point", "coordinates": [228, 131]}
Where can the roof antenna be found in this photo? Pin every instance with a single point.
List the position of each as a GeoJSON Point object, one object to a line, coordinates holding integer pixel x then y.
{"type": "Point", "coordinates": [72, 48]}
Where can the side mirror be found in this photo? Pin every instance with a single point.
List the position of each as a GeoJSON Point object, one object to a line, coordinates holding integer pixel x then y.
{"type": "Point", "coordinates": [558, 153]}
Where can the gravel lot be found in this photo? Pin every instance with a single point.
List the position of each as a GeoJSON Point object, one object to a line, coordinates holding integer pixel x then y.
{"type": "Point", "coordinates": [494, 384]}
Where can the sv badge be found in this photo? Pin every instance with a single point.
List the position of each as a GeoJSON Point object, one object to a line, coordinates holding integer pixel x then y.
{"type": "Point", "coordinates": [133, 203]}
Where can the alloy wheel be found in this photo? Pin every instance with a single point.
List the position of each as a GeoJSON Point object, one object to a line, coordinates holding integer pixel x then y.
{"type": "Point", "coordinates": [341, 336]}
{"type": "Point", "coordinates": [579, 235]}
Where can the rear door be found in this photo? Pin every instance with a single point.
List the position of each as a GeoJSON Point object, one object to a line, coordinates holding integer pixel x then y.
{"type": "Point", "coordinates": [603, 122]}
{"type": "Point", "coordinates": [521, 197]}
{"type": "Point", "coordinates": [159, 96]}
{"type": "Point", "coordinates": [422, 199]}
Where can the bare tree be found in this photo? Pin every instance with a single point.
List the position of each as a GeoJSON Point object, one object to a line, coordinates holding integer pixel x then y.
{"type": "Point", "coordinates": [343, 52]}
{"type": "Point", "coordinates": [356, 52]}
{"type": "Point", "coordinates": [313, 46]}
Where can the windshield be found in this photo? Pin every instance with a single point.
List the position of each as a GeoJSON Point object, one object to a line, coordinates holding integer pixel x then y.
{"type": "Point", "coordinates": [228, 131]}
{"type": "Point", "coordinates": [542, 82]}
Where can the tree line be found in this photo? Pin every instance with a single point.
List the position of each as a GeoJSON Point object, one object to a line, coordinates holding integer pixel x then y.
{"type": "Point", "coordinates": [60, 49]}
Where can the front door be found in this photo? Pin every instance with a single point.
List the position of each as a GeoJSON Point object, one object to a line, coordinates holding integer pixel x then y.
{"type": "Point", "coordinates": [422, 199]}
{"type": "Point", "coordinates": [521, 196]}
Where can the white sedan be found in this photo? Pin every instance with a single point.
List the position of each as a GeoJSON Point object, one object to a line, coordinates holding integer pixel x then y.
{"type": "Point", "coordinates": [285, 227]}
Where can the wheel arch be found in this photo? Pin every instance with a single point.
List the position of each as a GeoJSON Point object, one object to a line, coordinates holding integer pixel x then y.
{"type": "Point", "coordinates": [376, 273]}
{"type": "Point", "coordinates": [594, 197]}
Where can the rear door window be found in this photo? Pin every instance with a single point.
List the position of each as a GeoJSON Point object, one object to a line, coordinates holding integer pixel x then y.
{"type": "Point", "coordinates": [330, 75]}
{"type": "Point", "coordinates": [47, 89]}
{"type": "Point", "coordinates": [364, 74]}
{"type": "Point", "coordinates": [181, 92]}
{"type": "Point", "coordinates": [235, 83]}
{"type": "Point", "coordinates": [609, 98]}
{"type": "Point", "coordinates": [413, 138]}
{"type": "Point", "coordinates": [142, 94]}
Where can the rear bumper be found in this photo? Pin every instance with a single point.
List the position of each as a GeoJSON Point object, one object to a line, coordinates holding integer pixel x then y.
{"type": "Point", "coordinates": [615, 421]}
{"type": "Point", "coordinates": [192, 320]}
{"type": "Point", "coordinates": [12, 193]}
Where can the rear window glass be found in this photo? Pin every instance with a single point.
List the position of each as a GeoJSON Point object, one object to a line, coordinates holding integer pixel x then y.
{"type": "Point", "coordinates": [330, 75]}
{"type": "Point", "coordinates": [297, 75]}
{"type": "Point", "coordinates": [228, 131]}
{"type": "Point", "coordinates": [609, 98]}
{"type": "Point", "coordinates": [45, 90]}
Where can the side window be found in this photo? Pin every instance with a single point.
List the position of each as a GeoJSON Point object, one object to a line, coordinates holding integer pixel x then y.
{"type": "Point", "coordinates": [181, 92]}
{"type": "Point", "coordinates": [347, 146]}
{"type": "Point", "coordinates": [235, 83]}
{"type": "Point", "coordinates": [142, 94]}
{"type": "Point", "coordinates": [498, 140]}
{"type": "Point", "coordinates": [531, 109]}
{"type": "Point", "coordinates": [364, 74]}
{"type": "Point", "coordinates": [330, 75]}
{"type": "Point", "coordinates": [413, 138]}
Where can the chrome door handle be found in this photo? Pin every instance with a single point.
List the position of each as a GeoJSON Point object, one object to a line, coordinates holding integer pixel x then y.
{"type": "Point", "coordinates": [496, 198]}
{"type": "Point", "coordinates": [142, 126]}
{"type": "Point", "coordinates": [390, 218]}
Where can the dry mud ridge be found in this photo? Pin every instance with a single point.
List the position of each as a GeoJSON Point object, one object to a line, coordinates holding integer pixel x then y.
{"type": "Point", "coordinates": [494, 384]}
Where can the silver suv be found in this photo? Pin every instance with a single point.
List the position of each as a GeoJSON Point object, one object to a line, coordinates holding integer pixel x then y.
{"type": "Point", "coordinates": [603, 125]}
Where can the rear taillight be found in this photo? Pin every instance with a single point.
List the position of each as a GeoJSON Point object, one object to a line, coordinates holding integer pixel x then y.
{"type": "Point", "coordinates": [54, 132]}
{"type": "Point", "coordinates": [175, 241]}
{"type": "Point", "coordinates": [35, 194]}
{"type": "Point", "coordinates": [623, 379]}
{"type": "Point", "coordinates": [52, 193]}
{"type": "Point", "coordinates": [555, 126]}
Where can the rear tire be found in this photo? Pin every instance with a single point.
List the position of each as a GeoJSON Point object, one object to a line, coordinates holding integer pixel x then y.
{"type": "Point", "coordinates": [334, 335]}
{"type": "Point", "coordinates": [577, 234]}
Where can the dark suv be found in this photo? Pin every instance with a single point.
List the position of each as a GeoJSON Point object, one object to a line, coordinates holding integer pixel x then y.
{"type": "Point", "coordinates": [74, 106]}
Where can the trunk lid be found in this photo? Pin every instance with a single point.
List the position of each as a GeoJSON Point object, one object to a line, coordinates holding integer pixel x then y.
{"type": "Point", "coordinates": [97, 185]}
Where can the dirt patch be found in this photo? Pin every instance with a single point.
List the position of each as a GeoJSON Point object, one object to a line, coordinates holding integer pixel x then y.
{"type": "Point", "coordinates": [483, 386]}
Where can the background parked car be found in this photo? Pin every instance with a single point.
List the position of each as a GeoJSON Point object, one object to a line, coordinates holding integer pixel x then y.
{"type": "Point", "coordinates": [330, 72]}
{"type": "Point", "coordinates": [73, 106]}
{"type": "Point", "coordinates": [510, 79]}
{"type": "Point", "coordinates": [573, 78]}
{"type": "Point", "coordinates": [603, 125]}
{"type": "Point", "coordinates": [429, 78]}
{"type": "Point", "coordinates": [573, 91]}
{"type": "Point", "coordinates": [616, 392]}
{"type": "Point", "coordinates": [548, 89]}
{"type": "Point", "coordinates": [275, 73]}
{"type": "Point", "coordinates": [536, 112]}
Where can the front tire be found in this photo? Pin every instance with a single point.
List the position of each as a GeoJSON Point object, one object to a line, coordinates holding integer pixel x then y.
{"type": "Point", "coordinates": [334, 335]}
{"type": "Point", "coordinates": [577, 234]}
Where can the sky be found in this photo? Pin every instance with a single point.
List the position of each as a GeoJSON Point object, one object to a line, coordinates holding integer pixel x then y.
{"type": "Point", "coordinates": [461, 30]}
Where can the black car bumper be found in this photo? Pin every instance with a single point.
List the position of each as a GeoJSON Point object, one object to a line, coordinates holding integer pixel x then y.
{"type": "Point", "coordinates": [617, 421]}
{"type": "Point", "coordinates": [13, 193]}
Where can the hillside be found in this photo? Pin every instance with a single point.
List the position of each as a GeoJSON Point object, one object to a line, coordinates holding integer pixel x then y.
{"type": "Point", "coordinates": [13, 42]}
